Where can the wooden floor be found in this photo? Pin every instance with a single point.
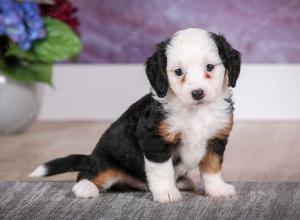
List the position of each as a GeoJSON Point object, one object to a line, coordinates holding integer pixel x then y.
{"type": "Point", "coordinates": [257, 151]}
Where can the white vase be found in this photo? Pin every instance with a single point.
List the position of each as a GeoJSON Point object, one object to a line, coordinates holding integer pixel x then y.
{"type": "Point", "coordinates": [19, 105]}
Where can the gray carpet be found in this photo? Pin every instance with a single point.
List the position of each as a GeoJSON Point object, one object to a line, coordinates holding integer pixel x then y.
{"type": "Point", "coordinates": [54, 200]}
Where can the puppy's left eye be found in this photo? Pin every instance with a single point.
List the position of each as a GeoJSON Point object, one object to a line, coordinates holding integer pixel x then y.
{"type": "Point", "coordinates": [178, 72]}
{"type": "Point", "coordinates": [209, 67]}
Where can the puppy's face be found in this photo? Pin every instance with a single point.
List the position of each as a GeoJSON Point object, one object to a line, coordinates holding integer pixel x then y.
{"type": "Point", "coordinates": [194, 68]}
{"type": "Point", "coordinates": [194, 65]}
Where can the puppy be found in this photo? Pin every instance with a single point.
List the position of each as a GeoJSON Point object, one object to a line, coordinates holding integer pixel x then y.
{"type": "Point", "coordinates": [182, 124]}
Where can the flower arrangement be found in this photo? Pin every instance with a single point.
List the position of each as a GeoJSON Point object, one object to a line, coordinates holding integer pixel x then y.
{"type": "Point", "coordinates": [33, 36]}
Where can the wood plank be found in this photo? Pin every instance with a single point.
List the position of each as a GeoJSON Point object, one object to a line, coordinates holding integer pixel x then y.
{"type": "Point", "coordinates": [257, 151]}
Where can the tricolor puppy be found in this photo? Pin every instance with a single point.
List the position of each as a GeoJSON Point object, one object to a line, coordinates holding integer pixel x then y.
{"type": "Point", "coordinates": [182, 124]}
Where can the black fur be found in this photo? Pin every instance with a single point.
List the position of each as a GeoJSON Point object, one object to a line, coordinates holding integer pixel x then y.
{"type": "Point", "coordinates": [135, 134]}
{"type": "Point", "coordinates": [156, 69]}
{"type": "Point", "coordinates": [217, 145]}
{"type": "Point", "coordinates": [176, 159]}
{"type": "Point", "coordinates": [231, 58]}
{"type": "Point", "coordinates": [70, 163]}
{"type": "Point", "coordinates": [231, 106]}
{"type": "Point", "coordinates": [123, 145]}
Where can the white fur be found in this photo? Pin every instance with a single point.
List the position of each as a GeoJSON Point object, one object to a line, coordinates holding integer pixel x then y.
{"type": "Point", "coordinates": [85, 189]}
{"type": "Point", "coordinates": [39, 171]}
{"type": "Point", "coordinates": [196, 125]}
{"type": "Point", "coordinates": [161, 181]}
{"type": "Point", "coordinates": [191, 50]}
{"type": "Point", "coordinates": [216, 187]}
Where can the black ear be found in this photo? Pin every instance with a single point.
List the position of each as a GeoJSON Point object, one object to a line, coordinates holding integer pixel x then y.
{"type": "Point", "coordinates": [231, 58]}
{"type": "Point", "coordinates": [156, 66]}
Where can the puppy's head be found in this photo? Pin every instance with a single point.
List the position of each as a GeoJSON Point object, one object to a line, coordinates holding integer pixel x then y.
{"type": "Point", "coordinates": [194, 65]}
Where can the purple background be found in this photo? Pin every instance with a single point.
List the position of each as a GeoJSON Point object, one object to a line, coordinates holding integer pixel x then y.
{"type": "Point", "coordinates": [125, 31]}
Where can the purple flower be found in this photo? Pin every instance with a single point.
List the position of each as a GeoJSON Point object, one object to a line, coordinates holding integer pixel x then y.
{"type": "Point", "coordinates": [21, 22]}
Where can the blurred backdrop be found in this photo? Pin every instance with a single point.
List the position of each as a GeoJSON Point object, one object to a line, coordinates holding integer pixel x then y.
{"type": "Point", "coordinates": [109, 42]}
{"type": "Point", "coordinates": [125, 31]}
{"type": "Point", "coordinates": [119, 35]}
{"type": "Point", "coordinates": [111, 39]}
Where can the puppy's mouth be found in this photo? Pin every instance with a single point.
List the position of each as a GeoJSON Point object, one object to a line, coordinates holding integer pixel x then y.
{"type": "Point", "coordinates": [200, 102]}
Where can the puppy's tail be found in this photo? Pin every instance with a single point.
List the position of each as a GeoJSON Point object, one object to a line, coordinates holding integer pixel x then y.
{"type": "Point", "coordinates": [70, 163]}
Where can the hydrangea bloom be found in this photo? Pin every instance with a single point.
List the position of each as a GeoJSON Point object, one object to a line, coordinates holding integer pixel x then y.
{"type": "Point", "coordinates": [21, 22]}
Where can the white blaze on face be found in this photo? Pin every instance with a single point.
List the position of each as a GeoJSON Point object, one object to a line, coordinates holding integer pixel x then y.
{"type": "Point", "coordinates": [191, 50]}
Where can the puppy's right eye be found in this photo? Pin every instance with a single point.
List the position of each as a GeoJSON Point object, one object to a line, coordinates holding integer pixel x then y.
{"type": "Point", "coordinates": [178, 72]}
{"type": "Point", "coordinates": [209, 67]}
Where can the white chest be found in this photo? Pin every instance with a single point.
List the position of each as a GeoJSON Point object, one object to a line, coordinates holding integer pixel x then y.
{"type": "Point", "coordinates": [196, 127]}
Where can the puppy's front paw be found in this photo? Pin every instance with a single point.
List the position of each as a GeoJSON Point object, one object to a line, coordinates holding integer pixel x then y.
{"type": "Point", "coordinates": [167, 196]}
{"type": "Point", "coordinates": [220, 190]}
{"type": "Point", "coordinates": [85, 189]}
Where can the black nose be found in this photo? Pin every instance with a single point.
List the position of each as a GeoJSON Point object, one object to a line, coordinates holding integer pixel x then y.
{"type": "Point", "coordinates": [197, 94]}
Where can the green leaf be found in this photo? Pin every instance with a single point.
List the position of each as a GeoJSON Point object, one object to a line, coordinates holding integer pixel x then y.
{"type": "Point", "coordinates": [61, 42]}
{"type": "Point", "coordinates": [35, 65]}
{"type": "Point", "coordinates": [29, 72]}
{"type": "Point", "coordinates": [17, 52]}
{"type": "Point", "coordinates": [2, 64]}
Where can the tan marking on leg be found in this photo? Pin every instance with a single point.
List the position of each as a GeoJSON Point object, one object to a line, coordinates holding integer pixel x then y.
{"type": "Point", "coordinates": [106, 179]}
{"type": "Point", "coordinates": [166, 134]}
{"type": "Point", "coordinates": [211, 163]}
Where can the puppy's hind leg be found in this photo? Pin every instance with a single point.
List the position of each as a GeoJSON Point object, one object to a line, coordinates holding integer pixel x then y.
{"type": "Point", "coordinates": [85, 187]}
{"type": "Point", "coordinates": [90, 186]}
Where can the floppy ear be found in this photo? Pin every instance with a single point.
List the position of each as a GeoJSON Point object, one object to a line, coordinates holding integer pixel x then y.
{"type": "Point", "coordinates": [156, 66]}
{"type": "Point", "coordinates": [231, 58]}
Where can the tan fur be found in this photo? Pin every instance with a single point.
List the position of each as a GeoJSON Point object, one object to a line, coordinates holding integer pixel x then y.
{"type": "Point", "coordinates": [211, 163]}
{"type": "Point", "coordinates": [207, 76]}
{"type": "Point", "coordinates": [119, 176]}
{"type": "Point", "coordinates": [183, 79]}
{"type": "Point", "coordinates": [165, 133]}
